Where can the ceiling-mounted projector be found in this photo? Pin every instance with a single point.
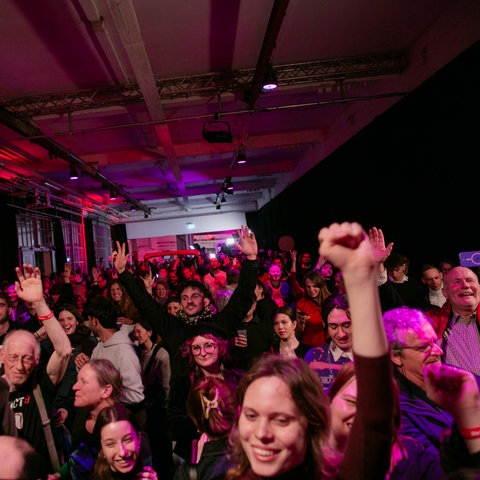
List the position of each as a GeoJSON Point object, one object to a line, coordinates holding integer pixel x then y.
{"type": "Point", "coordinates": [216, 131]}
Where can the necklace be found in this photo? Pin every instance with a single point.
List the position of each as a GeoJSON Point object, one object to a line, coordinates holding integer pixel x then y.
{"type": "Point", "coordinates": [287, 349]}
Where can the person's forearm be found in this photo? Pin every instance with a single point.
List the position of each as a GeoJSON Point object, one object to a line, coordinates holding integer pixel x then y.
{"type": "Point", "coordinates": [55, 332]}
{"type": "Point", "coordinates": [468, 423]}
{"type": "Point", "coordinates": [368, 335]}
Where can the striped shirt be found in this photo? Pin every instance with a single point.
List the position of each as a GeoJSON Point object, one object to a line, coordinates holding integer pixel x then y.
{"type": "Point", "coordinates": [462, 344]}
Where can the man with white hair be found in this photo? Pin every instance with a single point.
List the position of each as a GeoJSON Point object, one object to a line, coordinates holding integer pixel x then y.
{"type": "Point", "coordinates": [20, 356]}
{"type": "Point", "coordinates": [413, 345]}
{"type": "Point", "coordinates": [456, 323]}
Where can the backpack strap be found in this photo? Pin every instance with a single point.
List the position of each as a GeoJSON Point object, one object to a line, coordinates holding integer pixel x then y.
{"type": "Point", "coordinates": [156, 348]}
{"type": "Point", "coordinates": [47, 429]}
{"type": "Point", "coordinates": [191, 471]}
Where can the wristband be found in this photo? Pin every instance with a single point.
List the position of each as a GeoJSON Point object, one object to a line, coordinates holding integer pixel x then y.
{"type": "Point", "coordinates": [42, 318]}
{"type": "Point", "coordinates": [470, 433]}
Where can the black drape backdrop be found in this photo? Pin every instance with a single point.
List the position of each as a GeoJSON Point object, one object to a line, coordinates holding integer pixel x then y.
{"type": "Point", "coordinates": [91, 254]}
{"type": "Point", "coordinates": [119, 233]}
{"type": "Point", "coordinates": [9, 256]}
{"type": "Point", "coordinates": [60, 253]}
{"type": "Point", "coordinates": [412, 172]}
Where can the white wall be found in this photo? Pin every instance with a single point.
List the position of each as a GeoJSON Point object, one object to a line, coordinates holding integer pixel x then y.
{"type": "Point", "coordinates": [203, 224]}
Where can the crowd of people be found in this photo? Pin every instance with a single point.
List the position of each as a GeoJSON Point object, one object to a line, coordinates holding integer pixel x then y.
{"type": "Point", "coordinates": [244, 366]}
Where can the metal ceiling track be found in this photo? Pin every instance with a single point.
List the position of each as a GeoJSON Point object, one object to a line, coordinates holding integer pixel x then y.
{"type": "Point", "coordinates": [212, 84]}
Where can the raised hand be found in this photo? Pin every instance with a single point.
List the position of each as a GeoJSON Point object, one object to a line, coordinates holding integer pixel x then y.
{"type": "Point", "coordinates": [293, 257]}
{"type": "Point", "coordinates": [247, 243]}
{"type": "Point", "coordinates": [29, 286]}
{"type": "Point", "coordinates": [67, 271]}
{"type": "Point", "coordinates": [347, 246]}
{"type": "Point", "coordinates": [148, 281]}
{"type": "Point", "coordinates": [377, 242]}
{"type": "Point", "coordinates": [120, 259]}
{"type": "Point", "coordinates": [94, 274]}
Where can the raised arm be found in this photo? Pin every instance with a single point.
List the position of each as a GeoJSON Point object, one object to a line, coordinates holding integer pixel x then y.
{"type": "Point", "coordinates": [367, 454]}
{"type": "Point", "coordinates": [150, 309]}
{"type": "Point", "coordinates": [148, 282]}
{"type": "Point", "coordinates": [348, 247]}
{"type": "Point", "coordinates": [29, 288]}
{"type": "Point", "coordinates": [243, 296]}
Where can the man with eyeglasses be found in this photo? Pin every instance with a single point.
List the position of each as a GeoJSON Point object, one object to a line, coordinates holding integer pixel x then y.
{"type": "Point", "coordinates": [20, 355]}
{"type": "Point", "coordinates": [413, 345]}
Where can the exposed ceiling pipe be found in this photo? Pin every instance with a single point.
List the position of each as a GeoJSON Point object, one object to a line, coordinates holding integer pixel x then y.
{"type": "Point", "coordinates": [318, 103]}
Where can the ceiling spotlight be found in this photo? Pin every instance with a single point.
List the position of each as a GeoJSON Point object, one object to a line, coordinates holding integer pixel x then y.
{"type": "Point", "coordinates": [73, 173]}
{"type": "Point", "coordinates": [241, 156]}
{"type": "Point", "coordinates": [227, 186]}
{"type": "Point", "coordinates": [113, 195]}
{"type": "Point", "coordinates": [270, 81]}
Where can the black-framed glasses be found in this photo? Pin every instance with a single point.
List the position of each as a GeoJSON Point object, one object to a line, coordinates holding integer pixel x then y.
{"type": "Point", "coordinates": [207, 348]}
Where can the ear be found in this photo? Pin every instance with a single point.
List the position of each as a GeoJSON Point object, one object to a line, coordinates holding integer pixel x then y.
{"type": "Point", "coordinates": [206, 302]}
{"type": "Point", "coordinates": [397, 359]}
{"type": "Point", "coordinates": [107, 391]}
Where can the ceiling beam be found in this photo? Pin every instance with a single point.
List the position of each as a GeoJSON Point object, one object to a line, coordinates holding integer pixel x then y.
{"type": "Point", "coordinates": [277, 15]}
{"type": "Point", "coordinates": [126, 22]}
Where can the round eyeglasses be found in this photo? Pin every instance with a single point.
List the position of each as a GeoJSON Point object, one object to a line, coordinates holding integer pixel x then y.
{"type": "Point", "coordinates": [207, 348]}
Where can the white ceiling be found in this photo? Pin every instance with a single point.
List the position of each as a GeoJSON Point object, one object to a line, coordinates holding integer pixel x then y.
{"type": "Point", "coordinates": [122, 89]}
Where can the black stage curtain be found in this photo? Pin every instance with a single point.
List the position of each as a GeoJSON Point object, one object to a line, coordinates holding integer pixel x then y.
{"type": "Point", "coordinates": [9, 254]}
{"type": "Point", "coordinates": [91, 254]}
{"type": "Point", "coordinates": [119, 233]}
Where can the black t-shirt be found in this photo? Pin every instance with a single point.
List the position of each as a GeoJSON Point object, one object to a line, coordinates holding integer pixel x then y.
{"type": "Point", "coordinates": [27, 417]}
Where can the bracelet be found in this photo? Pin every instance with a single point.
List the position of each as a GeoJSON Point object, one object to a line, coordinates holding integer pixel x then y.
{"type": "Point", "coordinates": [470, 433]}
{"type": "Point", "coordinates": [42, 318]}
